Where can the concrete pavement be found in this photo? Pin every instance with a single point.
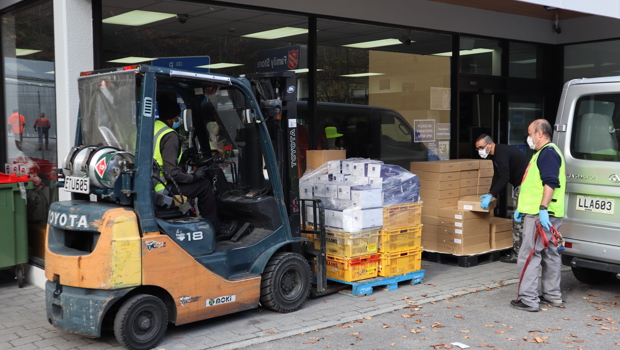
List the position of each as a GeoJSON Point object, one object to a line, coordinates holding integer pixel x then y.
{"type": "Point", "coordinates": [23, 324]}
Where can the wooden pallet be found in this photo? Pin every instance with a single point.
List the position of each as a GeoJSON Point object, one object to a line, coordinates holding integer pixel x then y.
{"type": "Point", "coordinates": [464, 260]}
{"type": "Point", "coordinates": [365, 287]}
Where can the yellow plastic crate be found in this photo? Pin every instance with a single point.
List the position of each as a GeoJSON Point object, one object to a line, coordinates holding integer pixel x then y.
{"type": "Point", "coordinates": [400, 239]}
{"type": "Point", "coordinates": [349, 245]}
{"type": "Point", "coordinates": [352, 269]}
{"type": "Point", "coordinates": [398, 263]}
{"type": "Point", "coordinates": [399, 215]}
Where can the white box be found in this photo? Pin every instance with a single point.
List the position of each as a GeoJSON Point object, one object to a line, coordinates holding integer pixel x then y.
{"type": "Point", "coordinates": [373, 169]}
{"type": "Point", "coordinates": [344, 192]}
{"type": "Point", "coordinates": [355, 219]}
{"type": "Point", "coordinates": [7, 168]}
{"type": "Point", "coordinates": [375, 182]}
{"type": "Point", "coordinates": [324, 178]}
{"type": "Point", "coordinates": [305, 191]}
{"type": "Point", "coordinates": [331, 191]}
{"type": "Point", "coordinates": [347, 166]}
{"type": "Point", "coordinates": [367, 198]}
{"type": "Point", "coordinates": [318, 190]}
{"type": "Point", "coordinates": [358, 169]}
{"type": "Point", "coordinates": [334, 166]}
{"type": "Point", "coordinates": [358, 180]}
{"type": "Point", "coordinates": [338, 177]}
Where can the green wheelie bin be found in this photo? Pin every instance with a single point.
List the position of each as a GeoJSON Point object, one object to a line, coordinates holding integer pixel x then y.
{"type": "Point", "coordinates": [13, 224]}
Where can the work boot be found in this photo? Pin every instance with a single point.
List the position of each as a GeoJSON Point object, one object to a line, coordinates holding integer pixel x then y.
{"type": "Point", "coordinates": [46, 147]}
{"type": "Point", "coordinates": [40, 145]}
{"type": "Point", "coordinates": [520, 305]}
{"type": "Point", "coordinates": [510, 258]}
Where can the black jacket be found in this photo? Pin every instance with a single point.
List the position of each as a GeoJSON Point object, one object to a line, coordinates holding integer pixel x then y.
{"type": "Point", "coordinates": [509, 164]}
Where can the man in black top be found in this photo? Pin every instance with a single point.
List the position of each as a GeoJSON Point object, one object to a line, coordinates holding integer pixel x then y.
{"type": "Point", "coordinates": [509, 164]}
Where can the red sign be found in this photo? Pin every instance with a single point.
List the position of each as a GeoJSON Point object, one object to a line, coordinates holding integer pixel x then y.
{"type": "Point", "coordinates": [100, 167]}
{"type": "Point", "coordinates": [293, 59]}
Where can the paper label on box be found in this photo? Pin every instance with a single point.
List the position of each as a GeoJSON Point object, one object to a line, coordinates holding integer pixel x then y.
{"type": "Point", "coordinates": [458, 224]}
{"type": "Point", "coordinates": [468, 207]}
{"type": "Point", "coordinates": [457, 241]}
{"type": "Point", "coordinates": [370, 270]}
{"type": "Point", "coordinates": [458, 216]}
{"type": "Point", "coordinates": [458, 231]}
{"type": "Point", "coordinates": [371, 247]}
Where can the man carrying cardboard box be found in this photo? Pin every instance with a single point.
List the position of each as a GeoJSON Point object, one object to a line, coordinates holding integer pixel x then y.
{"type": "Point", "coordinates": [508, 165]}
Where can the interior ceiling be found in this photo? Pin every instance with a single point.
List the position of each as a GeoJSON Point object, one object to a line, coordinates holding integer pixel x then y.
{"type": "Point", "coordinates": [208, 21]}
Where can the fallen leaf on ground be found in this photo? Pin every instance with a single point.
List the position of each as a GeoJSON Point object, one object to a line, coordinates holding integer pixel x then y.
{"type": "Point", "coordinates": [368, 318]}
{"type": "Point", "coordinates": [500, 332]}
{"type": "Point", "coordinates": [270, 332]}
{"type": "Point", "coordinates": [458, 316]}
{"type": "Point", "coordinates": [371, 299]}
{"type": "Point", "coordinates": [465, 331]}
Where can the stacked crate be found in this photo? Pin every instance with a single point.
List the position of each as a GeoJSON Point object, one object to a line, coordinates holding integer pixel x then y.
{"type": "Point", "coordinates": [400, 246]}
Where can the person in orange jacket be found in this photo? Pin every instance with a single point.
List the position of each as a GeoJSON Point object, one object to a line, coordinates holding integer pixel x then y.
{"type": "Point", "coordinates": [42, 125]}
{"type": "Point", "coordinates": [18, 124]}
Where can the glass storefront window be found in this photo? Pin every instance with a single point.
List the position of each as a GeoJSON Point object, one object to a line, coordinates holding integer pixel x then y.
{"type": "Point", "coordinates": [401, 79]}
{"type": "Point", "coordinates": [480, 56]}
{"type": "Point", "coordinates": [591, 60]}
{"type": "Point", "coordinates": [523, 60]}
{"type": "Point", "coordinates": [30, 110]}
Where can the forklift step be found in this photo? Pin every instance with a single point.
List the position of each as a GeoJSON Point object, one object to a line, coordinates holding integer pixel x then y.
{"type": "Point", "coordinates": [365, 287]}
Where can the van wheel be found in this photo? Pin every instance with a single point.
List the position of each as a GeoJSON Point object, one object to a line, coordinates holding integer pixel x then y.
{"type": "Point", "coordinates": [141, 322]}
{"type": "Point", "coordinates": [285, 283]}
{"type": "Point", "coordinates": [590, 276]}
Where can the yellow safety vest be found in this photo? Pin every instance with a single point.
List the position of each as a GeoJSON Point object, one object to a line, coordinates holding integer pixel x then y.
{"type": "Point", "coordinates": [532, 188]}
{"type": "Point", "coordinates": [160, 130]}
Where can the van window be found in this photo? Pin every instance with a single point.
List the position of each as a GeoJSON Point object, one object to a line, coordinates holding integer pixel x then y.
{"type": "Point", "coordinates": [595, 123]}
{"type": "Point", "coordinates": [394, 129]}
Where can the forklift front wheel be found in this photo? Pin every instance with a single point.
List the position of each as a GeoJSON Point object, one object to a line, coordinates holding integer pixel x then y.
{"type": "Point", "coordinates": [141, 322]}
{"type": "Point", "coordinates": [285, 285]}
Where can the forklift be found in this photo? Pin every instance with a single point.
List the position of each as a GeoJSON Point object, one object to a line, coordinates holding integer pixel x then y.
{"type": "Point", "coordinates": [123, 257]}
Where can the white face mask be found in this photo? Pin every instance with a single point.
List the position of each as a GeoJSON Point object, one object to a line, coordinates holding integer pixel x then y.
{"type": "Point", "coordinates": [482, 153]}
{"type": "Point", "coordinates": [531, 143]}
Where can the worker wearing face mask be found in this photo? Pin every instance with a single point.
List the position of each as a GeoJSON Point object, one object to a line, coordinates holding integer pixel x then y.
{"type": "Point", "coordinates": [509, 164]}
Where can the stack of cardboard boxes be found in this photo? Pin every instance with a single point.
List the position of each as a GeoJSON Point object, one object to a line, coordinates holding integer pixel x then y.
{"type": "Point", "coordinates": [452, 219]}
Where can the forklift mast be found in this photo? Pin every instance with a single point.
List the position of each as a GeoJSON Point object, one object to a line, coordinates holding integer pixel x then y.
{"type": "Point", "coordinates": [277, 94]}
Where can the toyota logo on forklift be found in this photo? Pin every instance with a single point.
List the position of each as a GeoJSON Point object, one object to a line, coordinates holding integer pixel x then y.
{"type": "Point", "coordinates": [614, 178]}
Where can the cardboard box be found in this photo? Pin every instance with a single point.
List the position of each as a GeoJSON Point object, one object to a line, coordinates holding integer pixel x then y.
{"type": "Point", "coordinates": [429, 231]}
{"type": "Point", "coordinates": [486, 172]}
{"type": "Point", "coordinates": [469, 182]}
{"type": "Point", "coordinates": [431, 176]}
{"type": "Point", "coordinates": [430, 220]}
{"type": "Point", "coordinates": [469, 174]}
{"type": "Point", "coordinates": [468, 191]}
{"type": "Point", "coordinates": [502, 244]}
{"type": "Point", "coordinates": [439, 185]}
{"type": "Point", "coordinates": [465, 223]}
{"type": "Point", "coordinates": [500, 224]}
{"type": "Point", "coordinates": [460, 214]}
{"type": "Point", "coordinates": [464, 245]}
{"type": "Point", "coordinates": [443, 194]}
{"type": "Point", "coordinates": [486, 164]}
{"type": "Point", "coordinates": [439, 203]}
{"type": "Point", "coordinates": [314, 159]}
{"type": "Point", "coordinates": [470, 230]}
{"type": "Point", "coordinates": [469, 164]}
{"type": "Point", "coordinates": [480, 190]}
{"type": "Point", "coordinates": [485, 181]}
{"type": "Point", "coordinates": [440, 166]}
{"type": "Point", "coordinates": [473, 203]}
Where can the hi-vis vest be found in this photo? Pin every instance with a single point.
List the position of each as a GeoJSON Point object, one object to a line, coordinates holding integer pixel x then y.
{"type": "Point", "coordinates": [17, 122]}
{"type": "Point", "coordinates": [532, 188]}
{"type": "Point", "coordinates": [160, 130]}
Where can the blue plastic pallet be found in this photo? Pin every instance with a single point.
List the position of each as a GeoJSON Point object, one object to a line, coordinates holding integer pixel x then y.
{"type": "Point", "coordinates": [364, 287]}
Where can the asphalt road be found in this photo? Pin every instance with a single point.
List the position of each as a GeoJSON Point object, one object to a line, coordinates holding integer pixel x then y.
{"type": "Point", "coordinates": [589, 319]}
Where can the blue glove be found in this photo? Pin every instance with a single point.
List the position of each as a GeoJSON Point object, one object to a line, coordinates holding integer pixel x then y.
{"type": "Point", "coordinates": [517, 216]}
{"type": "Point", "coordinates": [484, 202]}
{"type": "Point", "coordinates": [543, 216]}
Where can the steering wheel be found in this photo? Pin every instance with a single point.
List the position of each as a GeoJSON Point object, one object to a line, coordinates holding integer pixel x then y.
{"type": "Point", "coordinates": [200, 159]}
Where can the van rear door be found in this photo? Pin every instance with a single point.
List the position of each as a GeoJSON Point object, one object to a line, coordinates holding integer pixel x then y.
{"type": "Point", "coordinates": [587, 130]}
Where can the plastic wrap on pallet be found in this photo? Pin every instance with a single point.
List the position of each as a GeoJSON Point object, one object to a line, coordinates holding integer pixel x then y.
{"type": "Point", "coordinates": [353, 189]}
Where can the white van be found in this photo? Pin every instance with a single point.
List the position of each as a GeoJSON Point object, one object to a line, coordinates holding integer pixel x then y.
{"type": "Point", "coordinates": [586, 130]}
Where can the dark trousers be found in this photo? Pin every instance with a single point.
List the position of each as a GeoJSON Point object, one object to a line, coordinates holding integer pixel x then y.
{"type": "Point", "coordinates": [202, 190]}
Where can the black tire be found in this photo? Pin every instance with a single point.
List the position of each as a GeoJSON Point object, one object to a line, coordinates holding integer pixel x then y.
{"type": "Point", "coordinates": [19, 275]}
{"type": "Point", "coordinates": [590, 276]}
{"type": "Point", "coordinates": [285, 283]}
{"type": "Point", "coordinates": [141, 322]}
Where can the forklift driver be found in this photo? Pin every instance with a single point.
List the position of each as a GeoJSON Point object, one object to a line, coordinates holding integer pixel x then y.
{"type": "Point", "coordinates": [167, 148]}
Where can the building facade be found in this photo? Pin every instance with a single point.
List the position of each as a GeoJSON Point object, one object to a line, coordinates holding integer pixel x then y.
{"type": "Point", "coordinates": [452, 69]}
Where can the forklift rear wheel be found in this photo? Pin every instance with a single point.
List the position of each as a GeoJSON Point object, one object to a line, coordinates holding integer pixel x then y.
{"type": "Point", "coordinates": [141, 322]}
{"type": "Point", "coordinates": [285, 284]}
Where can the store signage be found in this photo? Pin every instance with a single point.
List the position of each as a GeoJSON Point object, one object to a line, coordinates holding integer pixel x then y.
{"type": "Point", "coordinates": [281, 59]}
{"type": "Point", "coordinates": [186, 63]}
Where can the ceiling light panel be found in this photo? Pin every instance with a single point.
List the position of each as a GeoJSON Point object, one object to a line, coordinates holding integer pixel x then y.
{"type": "Point", "coordinates": [132, 59]}
{"type": "Point", "coordinates": [138, 18]}
{"type": "Point", "coordinates": [277, 33]}
{"type": "Point", "coordinates": [374, 43]}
